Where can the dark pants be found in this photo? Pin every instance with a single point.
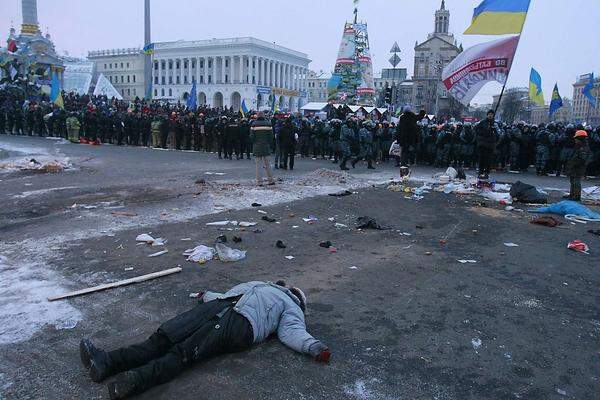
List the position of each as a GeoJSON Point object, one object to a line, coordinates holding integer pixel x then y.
{"type": "Point", "coordinates": [485, 160]}
{"type": "Point", "coordinates": [179, 343]}
{"type": "Point", "coordinates": [289, 153]}
{"type": "Point", "coordinates": [575, 192]}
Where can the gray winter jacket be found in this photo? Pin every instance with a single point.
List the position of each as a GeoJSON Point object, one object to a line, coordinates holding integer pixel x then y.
{"type": "Point", "coordinates": [271, 308]}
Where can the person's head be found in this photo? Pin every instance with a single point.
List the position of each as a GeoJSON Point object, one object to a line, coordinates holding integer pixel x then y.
{"type": "Point", "coordinates": [406, 109]}
{"type": "Point", "coordinates": [491, 114]}
{"type": "Point", "coordinates": [301, 297]}
{"type": "Point", "coordinates": [260, 116]}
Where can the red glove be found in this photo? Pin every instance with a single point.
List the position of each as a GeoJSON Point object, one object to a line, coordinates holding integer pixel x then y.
{"type": "Point", "coordinates": [324, 356]}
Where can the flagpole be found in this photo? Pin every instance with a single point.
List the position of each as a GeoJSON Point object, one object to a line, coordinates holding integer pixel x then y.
{"type": "Point", "coordinates": [513, 61]}
{"type": "Point", "coordinates": [507, 75]}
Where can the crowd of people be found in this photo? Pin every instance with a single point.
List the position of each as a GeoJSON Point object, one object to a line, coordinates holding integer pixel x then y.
{"type": "Point", "coordinates": [339, 136]}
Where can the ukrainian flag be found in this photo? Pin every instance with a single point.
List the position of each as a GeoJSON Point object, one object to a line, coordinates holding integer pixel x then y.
{"type": "Point", "coordinates": [556, 102]}
{"type": "Point", "coordinates": [499, 17]}
{"type": "Point", "coordinates": [244, 109]}
{"type": "Point", "coordinates": [535, 88]}
{"type": "Point", "coordinates": [149, 49]}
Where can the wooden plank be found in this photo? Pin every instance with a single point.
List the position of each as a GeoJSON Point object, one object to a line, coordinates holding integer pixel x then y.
{"type": "Point", "coordinates": [124, 282]}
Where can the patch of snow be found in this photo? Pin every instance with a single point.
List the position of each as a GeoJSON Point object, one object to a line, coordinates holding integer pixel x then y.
{"type": "Point", "coordinates": [360, 391]}
{"type": "Point", "coordinates": [24, 308]}
{"type": "Point", "coordinates": [42, 191]}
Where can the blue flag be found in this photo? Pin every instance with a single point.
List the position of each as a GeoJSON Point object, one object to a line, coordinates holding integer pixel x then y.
{"type": "Point", "coordinates": [587, 91]}
{"type": "Point", "coordinates": [556, 101]}
{"type": "Point", "coordinates": [55, 92]}
{"type": "Point", "coordinates": [244, 109]}
{"type": "Point", "coordinates": [192, 98]}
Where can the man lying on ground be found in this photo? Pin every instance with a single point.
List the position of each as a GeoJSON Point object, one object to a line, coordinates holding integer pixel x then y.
{"type": "Point", "coordinates": [222, 323]}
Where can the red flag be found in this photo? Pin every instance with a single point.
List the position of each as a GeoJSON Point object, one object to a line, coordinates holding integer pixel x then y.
{"type": "Point", "coordinates": [12, 46]}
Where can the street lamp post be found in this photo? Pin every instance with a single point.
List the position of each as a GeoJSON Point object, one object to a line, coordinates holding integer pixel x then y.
{"type": "Point", "coordinates": [438, 67]}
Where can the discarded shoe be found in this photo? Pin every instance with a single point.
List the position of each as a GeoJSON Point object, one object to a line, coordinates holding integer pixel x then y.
{"type": "Point", "coordinates": [280, 245]}
{"type": "Point", "coordinates": [222, 239]}
{"type": "Point", "coordinates": [268, 219]}
{"type": "Point", "coordinates": [326, 244]}
{"type": "Point", "coordinates": [237, 239]}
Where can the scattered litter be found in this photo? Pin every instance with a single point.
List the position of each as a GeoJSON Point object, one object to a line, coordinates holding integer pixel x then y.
{"type": "Point", "coordinates": [159, 253]}
{"type": "Point", "coordinates": [326, 244]}
{"type": "Point", "coordinates": [591, 193]}
{"type": "Point", "coordinates": [476, 342]}
{"type": "Point", "coordinates": [511, 245]}
{"type": "Point", "coordinates": [407, 247]}
{"type": "Point", "coordinates": [257, 231]}
{"type": "Point", "coordinates": [545, 221]}
{"type": "Point", "coordinates": [262, 212]}
{"type": "Point", "coordinates": [367, 223]}
{"type": "Point", "coordinates": [145, 238]}
{"type": "Point", "coordinates": [129, 269]}
{"type": "Point", "coordinates": [194, 295]}
{"type": "Point", "coordinates": [353, 267]}
{"type": "Point", "coordinates": [105, 286]}
{"type": "Point", "coordinates": [405, 234]}
{"type": "Point", "coordinates": [509, 208]}
{"type": "Point", "coordinates": [215, 173]}
{"type": "Point", "coordinates": [256, 205]}
{"type": "Point", "coordinates": [341, 194]}
{"type": "Point", "coordinates": [310, 219]}
{"type": "Point", "coordinates": [578, 246]}
{"type": "Point", "coordinates": [200, 254]}
{"type": "Point", "coordinates": [268, 219]}
{"type": "Point", "coordinates": [594, 232]}
{"type": "Point", "coordinates": [227, 254]}
{"type": "Point", "coordinates": [561, 392]}
{"type": "Point", "coordinates": [419, 227]}
{"type": "Point", "coordinates": [221, 239]}
{"type": "Point", "coordinates": [280, 245]}
{"type": "Point", "coordinates": [186, 239]}
{"type": "Point", "coordinates": [295, 226]}
{"type": "Point", "coordinates": [467, 261]}
{"type": "Point", "coordinates": [124, 213]}
{"type": "Point", "coordinates": [120, 247]}
{"type": "Point", "coordinates": [331, 219]}
{"type": "Point", "coordinates": [218, 223]}
{"type": "Point", "coordinates": [289, 257]}
{"type": "Point", "coordinates": [333, 250]}
{"type": "Point", "coordinates": [338, 225]}
{"type": "Point", "coordinates": [246, 224]}
{"type": "Point", "coordinates": [503, 198]}
{"type": "Point", "coordinates": [237, 239]}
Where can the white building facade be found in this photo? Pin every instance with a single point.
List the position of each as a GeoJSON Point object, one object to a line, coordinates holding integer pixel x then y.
{"type": "Point", "coordinates": [228, 72]}
{"type": "Point", "coordinates": [124, 68]}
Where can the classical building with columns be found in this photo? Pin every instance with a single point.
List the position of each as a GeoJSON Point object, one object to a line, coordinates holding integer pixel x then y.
{"type": "Point", "coordinates": [229, 71]}
{"type": "Point", "coordinates": [124, 68]}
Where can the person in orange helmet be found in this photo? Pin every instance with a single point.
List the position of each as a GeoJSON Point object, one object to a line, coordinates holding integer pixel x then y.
{"type": "Point", "coordinates": [577, 164]}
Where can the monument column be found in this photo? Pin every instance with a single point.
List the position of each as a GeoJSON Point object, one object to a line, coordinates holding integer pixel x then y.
{"type": "Point", "coordinates": [30, 24]}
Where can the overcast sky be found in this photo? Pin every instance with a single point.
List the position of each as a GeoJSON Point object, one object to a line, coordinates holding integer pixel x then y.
{"type": "Point", "coordinates": [560, 39]}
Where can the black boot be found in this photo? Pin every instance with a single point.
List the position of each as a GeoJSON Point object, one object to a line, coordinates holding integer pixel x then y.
{"type": "Point", "coordinates": [124, 386]}
{"type": "Point", "coordinates": [95, 360]}
{"type": "Point", "coordinates": [343, 166]}
{"type": "Point", "coordinates": [354, 163]}
{"type": "Point", "coordinates": [370, 165]}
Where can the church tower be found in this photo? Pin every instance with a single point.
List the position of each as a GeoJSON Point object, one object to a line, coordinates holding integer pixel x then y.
{"type": "Point", "coordinates": [442, 20]}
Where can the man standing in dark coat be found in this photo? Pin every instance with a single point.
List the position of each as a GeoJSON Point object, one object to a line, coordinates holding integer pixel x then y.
{"type": "Point", "coordinates": [486, 133]}
{"type": "Point", "coordinates": [407, 132]}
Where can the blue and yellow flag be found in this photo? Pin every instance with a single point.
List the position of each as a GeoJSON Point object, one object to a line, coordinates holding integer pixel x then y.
{"type": "Point", "coordinates": [55, 92]}
{"type": "Point", "coordinates": [587, 91]}
{"type": "Point", "coordinates": [536, 93]}
{"type": "Point", "coordinates": [556, 101]}
{"type": "Point", "coordinates": [244, 109]}
{"type": "Point", "coordinates": [499, 17]}
{"type": "Point", "coordinates": [149, 49]}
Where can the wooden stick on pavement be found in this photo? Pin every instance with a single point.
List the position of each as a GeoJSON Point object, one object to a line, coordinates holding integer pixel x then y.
{"type": "Point", "coordinates": [124, 282]}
